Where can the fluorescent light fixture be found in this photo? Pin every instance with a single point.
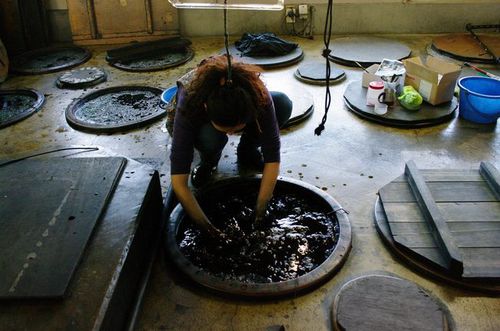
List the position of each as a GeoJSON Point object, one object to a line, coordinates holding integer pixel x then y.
{"type": "Point", "coordinates": [231, 4]}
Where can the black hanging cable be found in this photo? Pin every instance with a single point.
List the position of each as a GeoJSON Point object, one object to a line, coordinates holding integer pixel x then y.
{"type": "Point", "coordinates": [89, 149]}
{"type": "Point", "coordinates": [229, 79]}
{"type": "Point", "coordinates": [327, 33]}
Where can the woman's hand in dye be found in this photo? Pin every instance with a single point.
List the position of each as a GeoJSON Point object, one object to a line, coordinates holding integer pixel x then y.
{"type": "Point", "coordinates": [260, 214]}
{"type": "Point", "coordinates": [214, 232]}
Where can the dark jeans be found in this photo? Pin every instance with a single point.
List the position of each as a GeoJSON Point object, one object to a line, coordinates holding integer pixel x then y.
{"type": "Point", "coordinates": [210, 141]}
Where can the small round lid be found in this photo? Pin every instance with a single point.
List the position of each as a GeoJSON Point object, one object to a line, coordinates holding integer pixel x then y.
{"type": "Point", "coordinates": [377, 85]}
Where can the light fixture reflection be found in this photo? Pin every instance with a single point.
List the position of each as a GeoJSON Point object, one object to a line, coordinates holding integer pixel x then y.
{"type": "Point", "coordinates": [231, 4]}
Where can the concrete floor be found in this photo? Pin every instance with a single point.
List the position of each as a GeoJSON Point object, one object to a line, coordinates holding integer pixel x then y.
{"type": "Point", "coordinates": [351, 160]}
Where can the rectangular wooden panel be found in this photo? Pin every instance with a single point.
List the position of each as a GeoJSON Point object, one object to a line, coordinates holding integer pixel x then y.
{"type": "Point", "coordinates": [447, 175]}
{"type": "Point", "coordinates": [121, 16]}
{"type": "Point", "coordinates": [400, 228]}
{"type": "Point", "coordinates": [476, 212]}
{"type": "Point", "coordinates": [441, 191]}
{"type": "Point", "coordinates": [121, 21]}
{"type": "Point", "coordinates": [418, 240]}
{"type": "Point", "coordinates": [481, 262]}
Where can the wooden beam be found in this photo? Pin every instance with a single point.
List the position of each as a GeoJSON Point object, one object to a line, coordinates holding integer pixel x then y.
{"type": "Point", "coordinates": [92, 19]}
{"type": "Point", "coordinates": [440, 231]}
{"type": "Point", "coordinates": [149, 16]}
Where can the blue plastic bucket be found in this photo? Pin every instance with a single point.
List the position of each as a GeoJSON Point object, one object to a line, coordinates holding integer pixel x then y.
{"type": "Point", "coordinates": [168, 94]}
{"type": "Point", "coordinates": [479, 99]}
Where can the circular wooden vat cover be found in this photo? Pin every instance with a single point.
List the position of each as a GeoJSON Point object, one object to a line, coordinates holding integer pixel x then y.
{"type": "Point", "coordinates": [463, 47]}
{"type": "Point", "coordinates": [46, 60]}
{"type": "Point", "coordinates": [154, 62]}
{"type": "Point", "coordinates": [116, 109]}
{"type": "Point", "coordinates": [302, 101]}
{"type": "Point", "coordinates": [379, 302]}
{"type": "Point", "coordinates": [444, 222]}
{"type": "Point", "coordinates": [245, 288]}
{"type": "Point", "coordinates": [367, 50]}
{"type": "Point", "coordinates": [427, 115]}
{"type": "Point", "coordinates": [16, 105]}
{"type": "Point", "coordinates": [267, 61]}
{"type": "Point", "coordinates": [315, 73]}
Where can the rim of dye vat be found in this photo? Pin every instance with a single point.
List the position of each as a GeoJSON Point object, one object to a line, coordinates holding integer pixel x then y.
{"type": "Point", "coordinates": [79, 124]}
{"type": "Point", "coordinates": [38, 98]}
{"type": "Point", "coordinates": [21, 63]}
{"type": "Point", "coordinates": [315, 277]}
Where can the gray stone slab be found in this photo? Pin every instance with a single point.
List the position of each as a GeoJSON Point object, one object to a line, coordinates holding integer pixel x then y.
{"type": "Point", "coordinates": [49, 209]}
{"type": "Point", "coordinates": [106, 283]}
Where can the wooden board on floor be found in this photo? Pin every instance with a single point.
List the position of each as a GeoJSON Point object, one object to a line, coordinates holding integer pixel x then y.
{"type": "Point", "coordinates": [462, 46]}
{"type": "Point", "coordinates": [471, 213]}
{"type": "Point", "coordinates": [379, 302]}
{"type": "Point", "coordinates": [49, 210]}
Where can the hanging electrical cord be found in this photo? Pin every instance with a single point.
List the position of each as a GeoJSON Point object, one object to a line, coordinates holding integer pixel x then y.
{"type": "Point", "coordinates": [327, 33]}
{"type": "Point", "coordinates": [87, 149]}
{"type": "Point", "coordinates": [229, 80]}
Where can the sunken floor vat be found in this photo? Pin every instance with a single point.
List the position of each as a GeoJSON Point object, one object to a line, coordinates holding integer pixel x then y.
{"type": "Point", "coordinates": [303, 239]}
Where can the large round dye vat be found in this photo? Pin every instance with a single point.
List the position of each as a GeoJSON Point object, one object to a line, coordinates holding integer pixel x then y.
{"type": "Point", "coordinates": [228, 190]}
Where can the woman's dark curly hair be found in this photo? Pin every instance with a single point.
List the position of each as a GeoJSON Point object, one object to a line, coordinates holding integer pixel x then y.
{"type": "Point", "coordinates": [226, 104]}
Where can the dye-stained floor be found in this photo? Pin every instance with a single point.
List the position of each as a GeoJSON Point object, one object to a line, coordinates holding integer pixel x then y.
{"type": "Point", "coordinates": [351, 160]}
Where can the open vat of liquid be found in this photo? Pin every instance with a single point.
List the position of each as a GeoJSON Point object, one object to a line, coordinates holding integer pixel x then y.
{"type": "Point", "coordinates": [303, 240]}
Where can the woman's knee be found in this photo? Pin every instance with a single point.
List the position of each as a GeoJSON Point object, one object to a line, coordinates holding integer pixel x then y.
{"type": "Point", "coordinates": [210, 140]}
{"type": "Point", "coordinates": [282, 106]}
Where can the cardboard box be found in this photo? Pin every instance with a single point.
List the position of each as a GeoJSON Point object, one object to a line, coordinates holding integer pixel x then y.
{"type": "Point", "coordinates": [370, 75]}
{"type": "Point", "coordinates": [435, 80]}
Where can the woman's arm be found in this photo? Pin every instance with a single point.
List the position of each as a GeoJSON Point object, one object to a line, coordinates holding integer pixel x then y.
{"type": "Point", "coordinates": [191, 206]}
{"type": "Point", "coordinates": [269, 178]}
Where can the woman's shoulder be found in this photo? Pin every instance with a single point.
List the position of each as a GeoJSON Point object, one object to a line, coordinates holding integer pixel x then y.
{"type": "Point", "coordinates": [186, 79]}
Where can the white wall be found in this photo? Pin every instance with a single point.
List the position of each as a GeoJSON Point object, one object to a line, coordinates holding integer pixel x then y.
{"type": "Point", "coordinates": [361, 17]}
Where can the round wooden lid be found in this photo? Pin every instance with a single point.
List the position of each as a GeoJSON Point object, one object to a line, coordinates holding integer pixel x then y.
{"type": "Point", "coordinates": [379, 302]}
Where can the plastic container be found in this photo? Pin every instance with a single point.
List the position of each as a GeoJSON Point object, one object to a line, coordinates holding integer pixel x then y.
{"type": "Point", "coordinates": [375, 88]}
{"type": "Point", "coordinates": [479, 99]}
{"type": "Point", "coordinates": [168, 94]}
